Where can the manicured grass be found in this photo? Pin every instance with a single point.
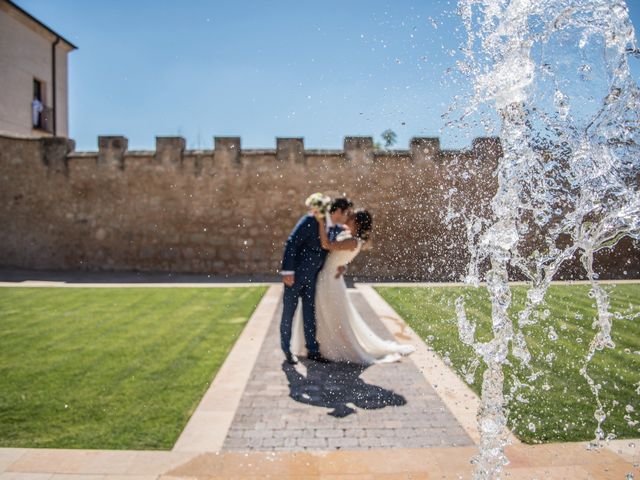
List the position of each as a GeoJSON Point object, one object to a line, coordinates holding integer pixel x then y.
{"type": "Point", "coordinates": [558, 405]}
{"type": "Point", "coordinates": [111, 368]}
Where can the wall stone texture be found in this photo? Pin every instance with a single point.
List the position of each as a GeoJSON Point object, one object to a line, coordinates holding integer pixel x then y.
{"type": "Point", "coordinates": [229, 211]}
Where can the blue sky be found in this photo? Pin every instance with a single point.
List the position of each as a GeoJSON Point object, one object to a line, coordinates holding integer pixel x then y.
{"type": "Point", "coordinates": [198, 68]}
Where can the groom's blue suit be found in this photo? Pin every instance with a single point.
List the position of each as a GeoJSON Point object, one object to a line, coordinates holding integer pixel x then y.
{"type": "Point", "coordinates": [303, 254]}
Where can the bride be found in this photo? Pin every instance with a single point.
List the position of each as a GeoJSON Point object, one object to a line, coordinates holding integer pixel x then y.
{"type": "Point", "coordinates": [341, 332]}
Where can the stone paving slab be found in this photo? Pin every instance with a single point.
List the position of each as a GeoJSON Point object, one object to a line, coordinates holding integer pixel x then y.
{"type": "Point", "coordinates": [560, 461]}
{"type": "Point", "coordinates": [556, 461]}
{"type": "Point", "coordinates": [455, 393]}
{"type": "Point", "coordinates": [338, 406]}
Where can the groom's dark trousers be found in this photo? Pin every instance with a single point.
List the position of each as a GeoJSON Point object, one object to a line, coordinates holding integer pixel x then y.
{"type": "Point", "coordinates": [303, 255]}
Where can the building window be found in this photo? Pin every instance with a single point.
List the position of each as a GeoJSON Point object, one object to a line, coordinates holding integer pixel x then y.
{"type": "Point", "coordinates": [40, 113]}
{"type": "Point", "coordinates": [36, 104]}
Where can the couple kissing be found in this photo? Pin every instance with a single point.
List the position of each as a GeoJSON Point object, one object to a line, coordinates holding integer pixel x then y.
{"type": "Point", "coordinates": [316, 254]}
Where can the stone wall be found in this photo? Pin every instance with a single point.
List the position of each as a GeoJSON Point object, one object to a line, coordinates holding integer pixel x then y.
{"type": "Point", "coordinates": [229, 211]}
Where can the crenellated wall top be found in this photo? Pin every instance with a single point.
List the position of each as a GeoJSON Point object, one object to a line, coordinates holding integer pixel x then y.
{"type": "Point", "coordinates": [113, 151]}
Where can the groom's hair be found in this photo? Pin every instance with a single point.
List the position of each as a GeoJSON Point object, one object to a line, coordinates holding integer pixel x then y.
{"type": "Point", "coordinates": [340, 204]}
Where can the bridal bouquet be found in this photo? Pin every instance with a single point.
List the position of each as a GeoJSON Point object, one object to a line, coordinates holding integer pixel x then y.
{"type": "Point", "coordinates": [318, 203]}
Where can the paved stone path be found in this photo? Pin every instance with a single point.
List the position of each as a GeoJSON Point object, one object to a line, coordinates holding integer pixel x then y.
{"type": "Point", "coordinates": [314, 406]}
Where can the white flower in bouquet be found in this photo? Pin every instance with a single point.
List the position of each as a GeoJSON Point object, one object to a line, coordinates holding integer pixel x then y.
{"type": "Point", "coordinates": [318, 203]}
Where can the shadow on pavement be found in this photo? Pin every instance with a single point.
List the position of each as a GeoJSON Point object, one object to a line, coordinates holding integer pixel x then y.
{"type": "Point", "coordinates": [337, 386]}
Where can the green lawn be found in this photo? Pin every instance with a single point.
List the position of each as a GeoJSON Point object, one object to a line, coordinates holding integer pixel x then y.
{"type": "Point", "coordinates": [111, 368]}
{"type": "Point", "coordinates": [557, 406]}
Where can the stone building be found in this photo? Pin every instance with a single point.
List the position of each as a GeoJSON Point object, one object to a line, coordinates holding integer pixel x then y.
{"type": "Point", "coordinates": [33, 74]}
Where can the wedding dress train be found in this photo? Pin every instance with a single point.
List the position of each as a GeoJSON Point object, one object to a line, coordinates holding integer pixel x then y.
{"type": "Point", "coordinates": [342, 333]}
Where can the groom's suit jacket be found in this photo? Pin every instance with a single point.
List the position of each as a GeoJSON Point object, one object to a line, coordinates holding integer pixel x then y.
{"type": "Point", "coordinates": [303, 253]}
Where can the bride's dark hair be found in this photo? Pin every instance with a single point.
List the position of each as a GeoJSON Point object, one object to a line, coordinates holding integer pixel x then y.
{"type": "Point", "coordinates": [364, 223]}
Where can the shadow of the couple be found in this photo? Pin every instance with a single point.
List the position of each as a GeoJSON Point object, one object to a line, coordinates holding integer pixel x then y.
{"type": "Point", "coordinates": [336, 385]}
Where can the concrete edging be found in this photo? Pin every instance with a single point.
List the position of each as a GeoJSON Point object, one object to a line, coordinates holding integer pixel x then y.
{"type": "Point", "coordinates": [208, 426]}
{"type": "Point", "coordinates": [482, 284]}
{"type": "Point", "coordinates": [52, 284]}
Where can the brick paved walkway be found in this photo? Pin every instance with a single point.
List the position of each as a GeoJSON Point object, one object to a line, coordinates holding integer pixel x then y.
{"type": "Point", "coordinates": [316, 406]}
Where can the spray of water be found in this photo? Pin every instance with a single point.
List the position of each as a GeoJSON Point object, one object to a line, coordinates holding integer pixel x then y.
{"type": "Point", "coordinates": [556, 73]}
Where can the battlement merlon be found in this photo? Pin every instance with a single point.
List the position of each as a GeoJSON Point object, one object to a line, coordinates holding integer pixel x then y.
{"type": "Point", "coordinates": [227, 151]}
{"type": "Point", "coordinates": [425, 150]}
{"type": "Point", "coordinates": [55, 151]}
{"type": "Point", "coordinates": [170, 151]}
{"type": "Point", "coordinates": [113, 152]}
{"type": "Point", "coordinates": [290, 150]}
{"type": "Point", "coordinates": [359, 150]}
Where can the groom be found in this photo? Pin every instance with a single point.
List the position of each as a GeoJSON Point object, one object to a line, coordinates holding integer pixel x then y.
{"type": "Point", "coordinates": [303, 259]}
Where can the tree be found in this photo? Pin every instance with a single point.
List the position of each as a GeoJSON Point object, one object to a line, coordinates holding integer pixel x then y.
{"type": "Point", "coordinates": [389, 137]}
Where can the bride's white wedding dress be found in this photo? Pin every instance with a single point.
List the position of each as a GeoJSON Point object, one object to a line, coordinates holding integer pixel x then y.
{"type": "Point", "coordinates": [340, 330]}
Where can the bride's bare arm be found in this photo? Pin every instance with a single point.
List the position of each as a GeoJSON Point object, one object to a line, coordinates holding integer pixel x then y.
{"type": "Point", "coordinates": [340, 271]}
{"type": "Point", "coordinates": [346, 244]}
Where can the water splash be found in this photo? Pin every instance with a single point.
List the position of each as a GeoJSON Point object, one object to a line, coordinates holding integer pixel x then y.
{"type": "Point", "coordinates": [556, 73]}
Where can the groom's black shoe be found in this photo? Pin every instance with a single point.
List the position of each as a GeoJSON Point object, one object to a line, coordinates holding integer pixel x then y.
{"type": "Point", "coordinates": [291, 359]}
{"type": "Point", "coordinates": [316, 357]}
